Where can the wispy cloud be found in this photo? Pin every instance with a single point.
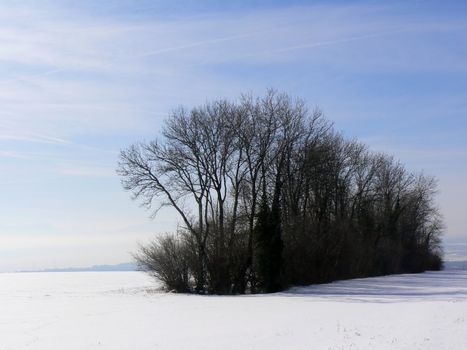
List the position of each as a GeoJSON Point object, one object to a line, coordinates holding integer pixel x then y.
{"type": "Point", "coordinates": [12, 154]}
{"type": "Point", "coordinates": [89, 171]}
{"type": "Point", "coordinates": [32, 138]}
{"type": "Point", "coordinates": [32, 76]}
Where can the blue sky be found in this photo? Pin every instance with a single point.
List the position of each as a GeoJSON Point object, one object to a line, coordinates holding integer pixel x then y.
{"type": "Point", "coordinates": [81, 80]}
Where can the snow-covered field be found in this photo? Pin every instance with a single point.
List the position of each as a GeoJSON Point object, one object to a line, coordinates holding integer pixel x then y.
{"type": "Point", "coordinates": [121, 310]}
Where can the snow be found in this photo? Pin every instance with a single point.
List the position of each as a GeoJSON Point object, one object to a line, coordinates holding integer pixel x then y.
{"type": "Point", "coordinates": [124, 310]}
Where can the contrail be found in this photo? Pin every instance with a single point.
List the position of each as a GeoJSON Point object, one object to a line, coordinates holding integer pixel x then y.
{"type": "Point", "coordinates": [200, 43]}
{"type": "Point", "coordinates": [50, 72]}
{"type": "Point", "coordinates": [219, 40]}
{"type": "Point", "coordinates": [147, 54]}
{"type": "Point", "coordinates": [326, 43]}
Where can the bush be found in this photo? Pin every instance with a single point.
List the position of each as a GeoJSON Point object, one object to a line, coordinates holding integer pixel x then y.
{"type": "Point", "coordinates": [167, 259]}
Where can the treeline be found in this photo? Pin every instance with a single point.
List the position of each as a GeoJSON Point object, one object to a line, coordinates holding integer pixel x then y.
{"type": "Point", "coordinates": [270, 195]}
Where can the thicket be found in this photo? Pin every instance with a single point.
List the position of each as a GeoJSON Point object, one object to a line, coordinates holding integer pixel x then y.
{"type": "Point", "coordinates": [270, 195]}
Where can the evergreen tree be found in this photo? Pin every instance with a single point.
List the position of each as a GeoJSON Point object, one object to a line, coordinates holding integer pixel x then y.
{"type": "Point", "coordinates": [269, 244]}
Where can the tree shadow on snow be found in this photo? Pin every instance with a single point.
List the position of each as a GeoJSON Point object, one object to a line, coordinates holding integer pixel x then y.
{"type": "Point", "coordinates": [447, 285]}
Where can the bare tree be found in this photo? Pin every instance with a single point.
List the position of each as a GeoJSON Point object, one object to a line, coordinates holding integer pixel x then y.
{"type": "Point", "coordinates": [269, 194]}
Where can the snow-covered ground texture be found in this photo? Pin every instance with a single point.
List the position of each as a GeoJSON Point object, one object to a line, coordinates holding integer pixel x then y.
{"type": "Point", "coordinates": [123, 310]}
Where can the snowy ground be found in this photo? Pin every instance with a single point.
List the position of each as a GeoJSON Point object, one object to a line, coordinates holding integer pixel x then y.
{"type": "Point", "coordinates": [121, 310]}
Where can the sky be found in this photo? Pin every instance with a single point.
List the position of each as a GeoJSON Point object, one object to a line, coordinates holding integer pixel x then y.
{"type": "Point", "coordinates": [81, 80]}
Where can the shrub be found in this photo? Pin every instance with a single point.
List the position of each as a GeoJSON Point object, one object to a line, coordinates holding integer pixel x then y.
{"type": "Point", "coordinates": [167, 259]}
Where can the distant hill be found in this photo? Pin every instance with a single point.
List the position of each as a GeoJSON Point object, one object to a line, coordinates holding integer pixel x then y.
{"type": "Point", "coordinates": [455, 265]}
{"type": "Point", "coordinates": [118, 267]}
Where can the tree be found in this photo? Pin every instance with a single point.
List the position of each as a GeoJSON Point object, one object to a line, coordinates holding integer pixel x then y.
{"type": "Point", "coordinates": [270, 195]}
{"type": "Point", "coordinates": [269, 244]}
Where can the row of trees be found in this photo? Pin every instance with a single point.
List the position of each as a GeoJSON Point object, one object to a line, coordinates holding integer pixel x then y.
{"type": "Point", "coordinates": [269, 195]}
